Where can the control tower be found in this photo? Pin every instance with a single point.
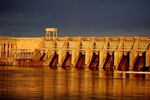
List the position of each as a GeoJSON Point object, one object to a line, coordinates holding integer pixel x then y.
{"type": "Point", "coordinates": [51, 32]}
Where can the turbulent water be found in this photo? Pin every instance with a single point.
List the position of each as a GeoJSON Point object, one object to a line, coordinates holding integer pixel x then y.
{"type": "Point", "coordinates": [43, 83]}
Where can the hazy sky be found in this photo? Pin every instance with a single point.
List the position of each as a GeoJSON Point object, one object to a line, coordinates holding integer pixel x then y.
{"type": "Point", "coordinates": [75, 17]}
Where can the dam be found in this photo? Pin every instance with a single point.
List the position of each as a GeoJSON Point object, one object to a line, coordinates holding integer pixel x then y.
{"type": "Point", "coordinates": [94, 53]}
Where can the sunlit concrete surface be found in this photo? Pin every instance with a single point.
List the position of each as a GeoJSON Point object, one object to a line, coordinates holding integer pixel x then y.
{"type": "Point", "coordinates": [40, 50]}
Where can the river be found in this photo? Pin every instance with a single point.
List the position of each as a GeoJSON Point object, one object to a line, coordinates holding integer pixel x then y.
{"type": "Point", "coordinates": [44, 83]}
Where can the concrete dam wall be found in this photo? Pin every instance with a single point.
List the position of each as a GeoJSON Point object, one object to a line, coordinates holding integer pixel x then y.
{"type": "Point", "coordinates": [94, 53]}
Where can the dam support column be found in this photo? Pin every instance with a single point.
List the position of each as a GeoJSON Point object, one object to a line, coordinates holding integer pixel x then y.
{"type": "Point", "coordinates": [140, 47]}
{"type": "Point", "coordinates": [0, 49]}
{"type": "Point", "coordinates": [103, 56]}
{"type": "Point", "coordinates": [112, 45]}
{"type": "Point", "coordinates": [49, 49]}
{"type": "Point", "coordinates": [99, 46]}
{"type": "Point", "coordinates": [6, 50]}
{"type": "Point", "coordinates": [117, 59]}
{"type": "Point", "coordinates": [74, 57]}
{"type": "Point", "coordinates": [88, 46]}
{"type": "Point", "coordinates": [61, 47]}
{"type": "Point", "coordinates": [88, 57]}
{"type": "Point", "coordinates": [74, 47]}
{"type": "Point", "coordinates": [121, 54]}
{"type": "Point", "coordinates": [133, 56]}
{"type": "Point", "coordinates": [148, 58]}
{"type": "Point", "coordinates": [148, 62]}
{"type": "Point", "coordinates": [14, 53]}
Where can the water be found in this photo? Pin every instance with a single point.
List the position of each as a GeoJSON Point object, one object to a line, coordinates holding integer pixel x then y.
{"type": "Point", "coordinates": [43, 83]}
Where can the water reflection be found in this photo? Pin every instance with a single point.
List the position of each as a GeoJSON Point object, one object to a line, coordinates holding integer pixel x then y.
{"type": "Point", "coordinates": [45, 83]}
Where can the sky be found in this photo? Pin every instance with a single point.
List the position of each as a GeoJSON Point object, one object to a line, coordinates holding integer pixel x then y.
{"type": "Point", "coordinates": [29, 18]}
